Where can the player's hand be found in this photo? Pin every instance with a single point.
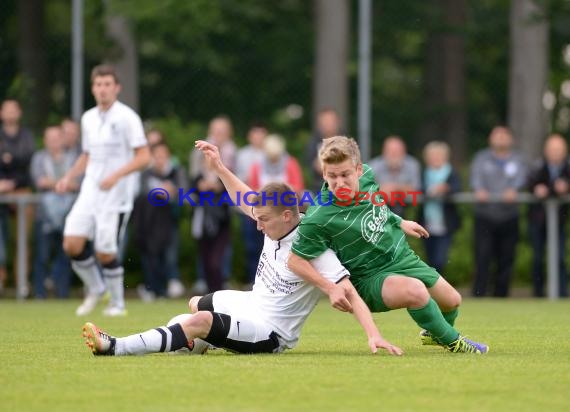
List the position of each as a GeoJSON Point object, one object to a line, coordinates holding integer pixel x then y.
{"type": "Point", "coordinates": [510, 195]}
{"type": "Point", "coordinates": [108, 182]}
{"type": "Point", "coordinates": [337, 297]}
{"type": "Point", "coordinates": [211, 154]}
{"type": "Point", "coordinates": [411, 228]}
{"type": "Point", "coordinates": [561, 186]}
{"type": "Point", "coordinates": [62, 185]}
{"type": "Point", "coordinates": [541, 191]}
{"type": "Point", "coordinates": [378, 342]}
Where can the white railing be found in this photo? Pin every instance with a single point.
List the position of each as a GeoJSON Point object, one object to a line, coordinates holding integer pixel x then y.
{"type": "Point", "coordinates": [552, 222]}
{"type": "Point", "coordinates": [551, 206]}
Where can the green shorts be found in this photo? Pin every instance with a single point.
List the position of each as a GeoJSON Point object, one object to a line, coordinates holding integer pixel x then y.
{"type": "Point", "coordinates": [369, 286]}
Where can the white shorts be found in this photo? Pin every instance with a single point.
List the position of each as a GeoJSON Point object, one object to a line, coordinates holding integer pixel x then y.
{"type": "Point", "coordinates": [248, 332]}
{"type": "Point", "coordinates": [107, 229]}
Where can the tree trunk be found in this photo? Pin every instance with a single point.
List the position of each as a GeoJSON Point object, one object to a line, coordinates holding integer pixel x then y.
{"type": "Point", "coordinates": [528, 74]}
{"type": "Point", "coordinates": [445, 83]}
{"type": "Point", "coordinates": [124, 58]}
{"type": "Point", "coordinates": [33, 63]}
{"type": "Point", "coordinates": [454, 80]}
{"type": "Point", "coordinates": [330, 74]}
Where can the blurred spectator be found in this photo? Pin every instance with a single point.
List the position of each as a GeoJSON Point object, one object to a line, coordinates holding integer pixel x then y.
{"type": "Point", "coordinates": [16, 150]}
{"type": "Point", "coordinates": [252, 238]}
{"type": "Point", "coordinates": [175, 288]}
{"type": "Point", "coordinates": [154, 137]}
{"type": "Point", "coordinates": [549, 177]}
{"type": "Point", "coordinates": [48, 166]}
{"type": "Point", "coordinates": [71, 136]}
{"type": "Point", "coordinates": [211, 223]}
{"type": "Point", "coordinates": [498, 170]}
{"type": "Point", "coordinates": [328, 125]}
{"type": "Point", "coordinates": [438, 215]}
{"type": "Point", "coordinates": [276, 166]}
{"type": "Point", "coordinates": [395, 170]}
{"type": "Point", "coordinates": [153, 224]}
{"type": "Point", "coordinates": [252, 152]}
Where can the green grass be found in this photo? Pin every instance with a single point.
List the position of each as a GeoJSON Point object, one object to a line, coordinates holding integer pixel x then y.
{"type": "Point", "coordinates": [45, 366]}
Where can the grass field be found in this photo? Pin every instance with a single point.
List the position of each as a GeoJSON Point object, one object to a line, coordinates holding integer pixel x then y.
{"type": "Point", "coordinates": [45, 366]}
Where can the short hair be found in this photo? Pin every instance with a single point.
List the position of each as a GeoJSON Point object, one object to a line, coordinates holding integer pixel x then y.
{"type": "Point", "coordinates": [337, 149]}
{"type": "Point", "coordinates": [159, 145]}
{"type": "Point", "coordinates": [327, 109]}
{"type": "Point", "coordinates": [223, 118]}
{"type": "Point", "coordinates": [52, 126]}
{"type": "Point", "coordinates": [278, 190]}
{"type": "Point", "coordinates": [257, 124]}
{"type": "Point", "coordinates": [10, 100]}
{"type": "Point", "coordinates": [104, 70]}
{"type": "Point", "coordinates": [437, 145]}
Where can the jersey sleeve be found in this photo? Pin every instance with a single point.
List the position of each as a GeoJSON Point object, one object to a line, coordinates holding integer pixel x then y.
{"type": "Point", "coordinates": [394, 217]}
{"type": "Point", "coordinates": [328, 265]}
{"type": "Point", "coordinates": [135, 134]}
{"type": "Point", "coordinates": [84, 134]}
{"type": "Point", "coordinates": [311, 241]}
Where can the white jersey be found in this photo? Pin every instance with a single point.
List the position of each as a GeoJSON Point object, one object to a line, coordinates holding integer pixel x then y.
{"type": "Point", "coordinates": [110, 139]}
{"type": "Point", "coordinates": [279, 296]}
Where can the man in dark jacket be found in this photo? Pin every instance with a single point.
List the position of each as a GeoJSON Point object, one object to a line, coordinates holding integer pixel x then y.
{"type": "Point", "coordinates": [550, 177]}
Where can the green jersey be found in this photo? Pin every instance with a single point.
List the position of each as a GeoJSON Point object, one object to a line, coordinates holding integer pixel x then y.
{"type": "Point", "coordinates": [365, 235]}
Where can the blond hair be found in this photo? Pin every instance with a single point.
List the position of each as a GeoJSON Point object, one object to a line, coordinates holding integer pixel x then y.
{"type": "Point", "coordinates": [337, 149]}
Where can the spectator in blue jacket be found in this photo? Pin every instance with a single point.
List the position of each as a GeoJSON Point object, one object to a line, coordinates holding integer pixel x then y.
{"type": "Point", "coordinates": [437, 214]}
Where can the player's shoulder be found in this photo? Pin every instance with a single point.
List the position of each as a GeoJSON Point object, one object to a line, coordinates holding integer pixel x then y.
{"type": "Point", "coordinates": [89, 114]}
{"type": "Point", "coordinates": [318, 214]}
{"type": "Point", "coordinates": [124, 110]}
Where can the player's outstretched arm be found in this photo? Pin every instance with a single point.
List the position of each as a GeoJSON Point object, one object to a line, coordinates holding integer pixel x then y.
{"type": "Point", "coordinates": [306, 271]}
{"type": "Point", "coordinates": [232, 183]}
{"type": "Point", "coordinates": [364, 317]}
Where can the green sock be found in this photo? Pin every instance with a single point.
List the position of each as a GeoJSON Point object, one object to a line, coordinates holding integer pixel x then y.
{"type": "Point", "coordinates": [451, 316]}
{"type": "Point", "coordinates": [431, 319]}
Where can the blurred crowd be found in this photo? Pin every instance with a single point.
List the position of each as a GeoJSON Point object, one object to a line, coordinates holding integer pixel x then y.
{"type": "Point", "coordinates": [497, 172]}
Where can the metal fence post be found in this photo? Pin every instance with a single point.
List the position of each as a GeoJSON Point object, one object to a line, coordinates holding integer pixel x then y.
{"type": "Point", "coordinates": [22, 260]}
{"type": "Point", "coordinates": [552, 248]}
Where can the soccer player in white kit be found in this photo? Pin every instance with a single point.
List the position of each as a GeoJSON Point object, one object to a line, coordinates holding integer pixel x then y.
{"type": "Point", "coordinates": [114, 147]}
{"type": "Point", "coordinates": [267, 319]}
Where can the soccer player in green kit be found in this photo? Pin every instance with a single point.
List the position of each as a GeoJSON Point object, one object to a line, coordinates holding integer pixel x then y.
{"type": "Point", "coordinates": [370, 241]}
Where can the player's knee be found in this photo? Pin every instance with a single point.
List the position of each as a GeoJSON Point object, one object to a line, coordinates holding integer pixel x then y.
{"type": "Point", "coordinates": [106, 258]}
{"type": "Point", "coordinates": [417, 293]}
{"type": "Point", "coordinates": [76, 249]}
{"type": "Point", "coordinates": [200, 320]}
{"type": "Point", "coordinates": [455, 299]}
{"type": "Point", "coordinates": [200, 323]}
{"type": "Point", "coordinates": [193, 303]}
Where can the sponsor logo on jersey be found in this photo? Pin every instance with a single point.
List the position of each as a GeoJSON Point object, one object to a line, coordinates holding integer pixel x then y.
{"type": "Point", "coordinates": [372, 224]}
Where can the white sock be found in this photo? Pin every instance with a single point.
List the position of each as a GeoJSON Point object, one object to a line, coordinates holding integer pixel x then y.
{"type": "Point", "coordinates": [114, 280]}
{"type": "Point", "coordinates": [162, 339]}
{"type": "Point", "coordinates": [89, 273]}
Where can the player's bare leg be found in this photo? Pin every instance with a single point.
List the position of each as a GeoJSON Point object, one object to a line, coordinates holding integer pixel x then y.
{"type": "Point", "coordinates": [193, 303]}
